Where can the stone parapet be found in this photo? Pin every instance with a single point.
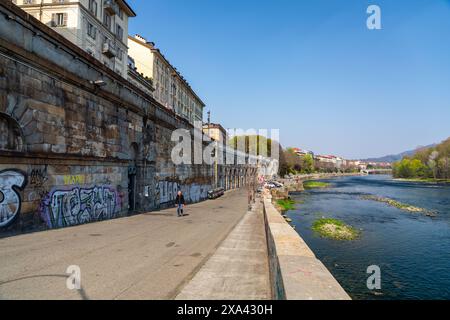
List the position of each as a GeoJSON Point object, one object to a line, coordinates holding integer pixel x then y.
{"type": "Point", "coordinates": [296, 273]}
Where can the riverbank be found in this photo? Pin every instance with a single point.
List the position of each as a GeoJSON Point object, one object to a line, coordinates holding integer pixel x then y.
{"type": "Point", "coordinates": [296, 183]}
{"type": "Point", "coordinates": [429, 181]}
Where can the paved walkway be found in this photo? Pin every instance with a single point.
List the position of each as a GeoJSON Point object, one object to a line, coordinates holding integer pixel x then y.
{"type": "Point", "coordinates": [150, 256]}
{"type": "Point", "coordinates": [239, 269]}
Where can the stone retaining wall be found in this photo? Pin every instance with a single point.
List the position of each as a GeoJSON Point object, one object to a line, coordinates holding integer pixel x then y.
{"type": "Point", "coordinates": [72, 152]}
{"type": "Point", "coordinates": [296, 273]}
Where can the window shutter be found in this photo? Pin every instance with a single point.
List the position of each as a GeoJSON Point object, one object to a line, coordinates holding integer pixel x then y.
{"type": "Point", "coordinates": [53, 22]}
{"type": "Point", "coordinates": [65, 20]}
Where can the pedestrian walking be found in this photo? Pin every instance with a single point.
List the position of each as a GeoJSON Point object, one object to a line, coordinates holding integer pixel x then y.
{"type": "Point", "coordinates": [180, 204]}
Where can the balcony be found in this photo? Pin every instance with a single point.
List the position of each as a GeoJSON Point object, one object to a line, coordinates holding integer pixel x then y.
{"type": "Point", "coordinates": [109, 50]}
{"type": "Point", "coordinates": [110, 7]}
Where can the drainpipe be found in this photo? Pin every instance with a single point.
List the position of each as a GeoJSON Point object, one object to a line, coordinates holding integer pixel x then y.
{"type": "Point", "coordinates": [41, 10]}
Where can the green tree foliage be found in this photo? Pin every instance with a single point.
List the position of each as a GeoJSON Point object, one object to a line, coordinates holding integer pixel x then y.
{"type": "Point", "coordinates": [308, 163]}
{"type": "Point", "coordinates": [253, 144]}
{"type": "Point", "coordinates": [261, 146]}
{"type": "Point", "coordinates": [428, 163]}
{"type": "Point", "coordinates": [296, 164]}
{"type": "Point", "coordinates": [410, 168]}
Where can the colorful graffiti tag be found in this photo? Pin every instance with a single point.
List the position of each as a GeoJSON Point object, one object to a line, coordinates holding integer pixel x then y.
{"type": "Point", "coordinates": [10, 201]}
{"type": "Point", "coordinates": [64, 208]}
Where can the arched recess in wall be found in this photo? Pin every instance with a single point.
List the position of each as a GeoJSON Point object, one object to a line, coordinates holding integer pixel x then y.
{"type": "Point", "coordinates": [134, 153]}
{"type": "Point", "coordinates": [11, 137]}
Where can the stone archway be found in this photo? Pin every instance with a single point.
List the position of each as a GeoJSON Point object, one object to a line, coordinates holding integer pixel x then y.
{"type": "Point", "coordinates": [11, 137]}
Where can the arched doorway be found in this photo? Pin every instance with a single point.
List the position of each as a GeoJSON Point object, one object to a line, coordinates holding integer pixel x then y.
{"type": "Point", "coordinates": [132, 172]}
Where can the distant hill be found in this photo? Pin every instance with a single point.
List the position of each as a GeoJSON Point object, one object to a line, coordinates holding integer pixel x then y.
{"type": "Point", "coordinates": [396, 157]}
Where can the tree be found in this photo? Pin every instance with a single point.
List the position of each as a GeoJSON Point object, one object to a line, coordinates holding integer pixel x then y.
{"type": "Point", "coordinates": [308, 164]}
{"type": "Point", "coordinates": [431, 162]}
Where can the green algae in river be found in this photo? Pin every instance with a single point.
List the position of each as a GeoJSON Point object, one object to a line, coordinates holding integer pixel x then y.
{"type": "Point", "coordinates": [335, 229]}
{"type": "Point", "coordinates": [286, 204]}
{"type": "Point", "coordinates": [315, 184]}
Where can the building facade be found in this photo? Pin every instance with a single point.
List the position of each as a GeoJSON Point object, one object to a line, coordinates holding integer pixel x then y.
{"type": "Point", "coordinates": [216, 132]}
{"type": "Point", "coordinates": [138, 79]}
{"type": "Point", "coordinates": [72, 152]}
{"type": "Point", "coordinates": [100, 27]}
{"type": "Point", "coordinates": [171, 89]}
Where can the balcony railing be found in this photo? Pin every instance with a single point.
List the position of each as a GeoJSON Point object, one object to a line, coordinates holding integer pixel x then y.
{"type": "Point", "coordinates": [110, 7]}
{"type": "Point", "coordinates": [109, 50]}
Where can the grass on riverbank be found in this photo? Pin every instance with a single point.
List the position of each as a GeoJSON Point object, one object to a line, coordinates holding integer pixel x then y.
{"type": "Point", "coordinates": [427, 180]}
{"type": "Point", "coordinates": [335, 229]}
{"type": "Point", "coordinates": [315, 184]}
{"type": "Point", "coordinates": [286, 204]}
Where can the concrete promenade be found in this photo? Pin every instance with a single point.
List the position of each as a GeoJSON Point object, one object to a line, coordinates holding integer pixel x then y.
{"type": "Point", "coordinates": [240, 267]}
{"type": "Point", "coordinates": [149, 256]}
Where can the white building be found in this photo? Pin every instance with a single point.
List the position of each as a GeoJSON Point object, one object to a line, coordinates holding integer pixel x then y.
{"type": "Point", "coordinates": [171, 89]}
{"type": "Point", "coordinates": [98, 26]}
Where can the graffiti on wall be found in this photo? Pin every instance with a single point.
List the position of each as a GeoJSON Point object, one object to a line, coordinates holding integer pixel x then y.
{"type": "Point", "coordinates": [64, 208]}
{"type": "Point", "coordinates": [38, 177]}
{"type": "Point", "coordinates": [74, 179]}
{"type": "Point", "coordinates": [167, 191]}
{"type": "Point", "coordinates": [10, 202]}
{"type": "Point", "coordinates": [195, 192]}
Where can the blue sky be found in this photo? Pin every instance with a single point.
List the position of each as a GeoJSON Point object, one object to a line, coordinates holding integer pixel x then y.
{"type": "Point", "coordinates": [312, 68]}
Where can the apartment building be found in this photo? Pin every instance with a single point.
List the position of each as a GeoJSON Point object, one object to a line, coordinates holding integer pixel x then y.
{"type": "Point", "coordinates": [171, 89]}
{"type": "Point", "coordinates": [98, 26]}
{"type": "Point", "coordinates": [216, 132]}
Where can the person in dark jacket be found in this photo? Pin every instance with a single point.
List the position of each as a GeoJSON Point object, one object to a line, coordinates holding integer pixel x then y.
{"type": "Point", "coordinates": [180, 204]}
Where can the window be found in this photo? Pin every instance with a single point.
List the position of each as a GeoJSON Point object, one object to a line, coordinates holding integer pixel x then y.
{"type": "Point", "coordinates": [107, 20]}
{"type": "Point", "coordinates": [119, 32]}
{"type": "Point", "coordinates": [120, 13]}
{"type": "Point", "coordinates": [91, 31]}
{"type": "Point", "coordinates": [93, 7]}
{"type": "Point", "coordinates": [59, 20]}
{"type": "Point", "coordinates": [120, 54]}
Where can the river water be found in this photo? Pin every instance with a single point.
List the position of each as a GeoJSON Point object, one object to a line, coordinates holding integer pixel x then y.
{"type": "Point", "coordinates": [411, 249]}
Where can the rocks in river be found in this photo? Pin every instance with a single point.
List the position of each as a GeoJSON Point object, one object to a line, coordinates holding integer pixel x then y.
{"type": "Point", "coordinates": [399, 205]}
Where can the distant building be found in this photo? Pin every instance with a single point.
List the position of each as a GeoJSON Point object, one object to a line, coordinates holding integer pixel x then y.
{"type": "Point", "coordinates": [335, 161]}
{"type": "Point", "coordinates": [216, 132]}
{"type": "Point", "coordinates": [100, 27]}
{"type": "Point", "coordinates": [326, 159]}
{"type": "Point", "coordinates": [171, 89]}
{"type": "Point", "coordinates": [302, 153]}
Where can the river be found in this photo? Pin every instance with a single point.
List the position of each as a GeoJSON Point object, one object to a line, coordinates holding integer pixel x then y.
{"type": "Point", "coordinates": [411, 249]}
